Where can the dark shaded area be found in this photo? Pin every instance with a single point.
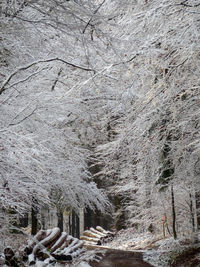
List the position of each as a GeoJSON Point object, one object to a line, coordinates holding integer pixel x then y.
{"type": "Point", "coordinates": [120, 219]}
{"type": "Point", "coordinates": [34, 220]}
{"type": "Point", "coordinates": [189, 257]}
{"type": "Point", "coordinates": [118, 258]}
{"type": "Point", "coordinates": [74, 225]}
{"type": "Point", "coordinates": [60, 220]}
{"type": "Point", "coordinates": [10, 258]}
{"type": "Point", "coordinates": [96, 218]}
{"type": "Point", "coordinates": [23, 220]}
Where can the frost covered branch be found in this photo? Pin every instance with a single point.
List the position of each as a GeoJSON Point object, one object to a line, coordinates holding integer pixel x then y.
{"type": "Point", "coordinates": [3, 87]}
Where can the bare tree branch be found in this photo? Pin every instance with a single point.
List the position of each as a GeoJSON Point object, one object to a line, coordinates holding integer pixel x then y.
{"type": "Point", "coordinates": [184, 3]}
{"type": "Point", "coordinates": [3, 88]}
{"type": "Point", "coordinates": [27, 78]}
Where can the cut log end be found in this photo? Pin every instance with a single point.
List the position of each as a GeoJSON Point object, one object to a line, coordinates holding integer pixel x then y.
{"type": "Point", "coordinates": [47, 246]}
{"type": "Point", "coordinates": [98, 236]}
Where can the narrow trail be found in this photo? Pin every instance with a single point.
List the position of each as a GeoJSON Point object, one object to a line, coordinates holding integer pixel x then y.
{"type": "Point", "coordinates": [120, 258]}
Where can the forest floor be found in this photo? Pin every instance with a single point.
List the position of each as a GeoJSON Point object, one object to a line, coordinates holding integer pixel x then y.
{"type": "Point", "coordinates": [157, 250]}
{"type": "Point", "coordinates": [13, 240]}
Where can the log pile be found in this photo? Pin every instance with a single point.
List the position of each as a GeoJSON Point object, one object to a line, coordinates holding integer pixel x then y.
{"type": "Point", "coordinates": [48, 246]}
{"type": "Point", "coordinates": [97, 236]}
{"type": "Point", "coordinates": [10, 258]}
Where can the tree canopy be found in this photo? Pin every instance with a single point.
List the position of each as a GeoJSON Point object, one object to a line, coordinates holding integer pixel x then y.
{"type": "Point", "coordinates": [109, 82]}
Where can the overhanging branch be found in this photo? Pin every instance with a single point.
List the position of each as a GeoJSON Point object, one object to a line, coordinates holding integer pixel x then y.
{"type": "Point", "coordinates": [185, 3]}
{"type": "Point", "coordinates": [3, 87]}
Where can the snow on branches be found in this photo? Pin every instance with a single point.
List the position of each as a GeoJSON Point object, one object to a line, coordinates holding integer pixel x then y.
{"type": "Point", "coordinates": [124, 87]}
{"type": "Point", "coordinates": [158, 143]}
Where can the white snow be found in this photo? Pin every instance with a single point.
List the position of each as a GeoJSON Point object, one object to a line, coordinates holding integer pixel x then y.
{"type": "Point", "coordinates": [83, 264]}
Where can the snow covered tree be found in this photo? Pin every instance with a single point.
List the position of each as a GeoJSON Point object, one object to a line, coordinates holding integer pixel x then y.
{"type": "Point", "coordinates": [114, 82]}
{"type": "Point", "coordinates": [44, 130]}
{"type": "Point", "coordinates": [161, 120]}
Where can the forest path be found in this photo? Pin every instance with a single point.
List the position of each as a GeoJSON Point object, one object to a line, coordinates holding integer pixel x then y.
{"type": "Point", "coordinates": [121, 258]}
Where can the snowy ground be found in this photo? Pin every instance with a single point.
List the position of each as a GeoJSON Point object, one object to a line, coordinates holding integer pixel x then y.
{"type": "Point", "coordinates": [19, 241]}
{"type": "Point", "coordinates": [156, 249]}
{"type": "Point", "coordinates": [81, 264]}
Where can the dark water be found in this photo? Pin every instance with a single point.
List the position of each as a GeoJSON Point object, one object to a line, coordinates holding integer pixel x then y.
{"type": "Point", "coordinates": [118, 258]}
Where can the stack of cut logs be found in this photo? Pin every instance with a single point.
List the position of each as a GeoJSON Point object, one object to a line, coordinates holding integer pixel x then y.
{"type": "Point", "coordinates": [97, 236]}
{"type": "Point", "coordinates": [49, 246]}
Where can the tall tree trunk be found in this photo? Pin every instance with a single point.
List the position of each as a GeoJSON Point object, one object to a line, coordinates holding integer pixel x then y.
{"type": "Point", "coordinates": [197, 200]}
{"type": "Point", "coordinates": [73, 223]}
{"type": "Point", "coordinates": [192, 213]}
{"type": "Point", "coordinates": [77, 226]}
{"type": "Point", "coordinates": [194, 216]}
{"type": "Point", "coordinates": [81, 221]}
{"type": "Point", "coordinates": [70, 223]}
{"type": "Point", "coordinates": [34, 220]}
{"type": "Point", "coordinates": [173, 214]}
{"type": "Point", "coordinates": [60, 219]}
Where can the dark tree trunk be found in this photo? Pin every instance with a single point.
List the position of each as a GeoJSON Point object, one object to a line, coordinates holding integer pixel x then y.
{"type": "Point", "coordinates": [73, 222]}
{"type": "Point", "coordinates": [192, 214]}
{"type": "Point", "coordinates": [34, 220]}
{"type": "Point", "coordinates": [197, 196]}
{"type": "Point", "coordinates": [70, 225]}
{"type": "Point", "coordinates": [60, 220]}
{"type": "Point", "coordinates": [77, 226]}
{"type": "Point", "coordinates": [173, 214]}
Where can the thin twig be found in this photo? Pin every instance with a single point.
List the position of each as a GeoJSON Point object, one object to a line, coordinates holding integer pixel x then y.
{"type": "Point", "coordinates": [92, 16]}
{"type": "Point", "coordinates": [26, 117]}
{"type": "Point", "coordinates": [27, 78]}
{"type": "Point", "coordinates": [56, 80]}
{"type": "Point", "coordinates": [127, 61]}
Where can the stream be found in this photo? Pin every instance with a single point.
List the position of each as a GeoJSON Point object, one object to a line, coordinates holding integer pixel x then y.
{"type": "Point", "coordinates": [120, 258]}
